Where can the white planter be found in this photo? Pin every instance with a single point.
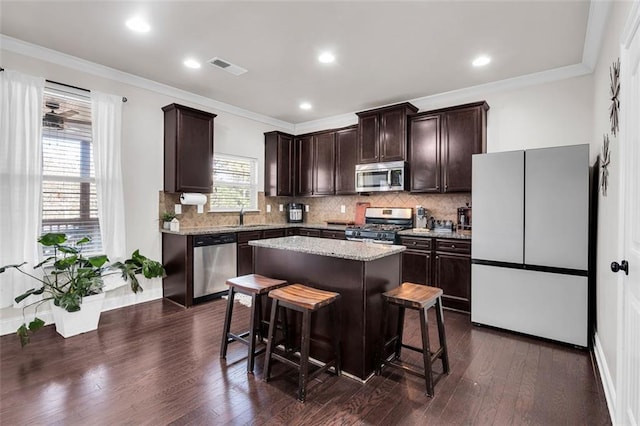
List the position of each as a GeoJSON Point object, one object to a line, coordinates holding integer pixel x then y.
{"type": "Point", "coordinates": [86, 319]}
{"type": "Point", "coordinates": [166, 225]}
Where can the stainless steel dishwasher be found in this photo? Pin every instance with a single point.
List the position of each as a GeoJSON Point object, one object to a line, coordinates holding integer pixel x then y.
{"type": "Point", "coordinates": [214, 261]}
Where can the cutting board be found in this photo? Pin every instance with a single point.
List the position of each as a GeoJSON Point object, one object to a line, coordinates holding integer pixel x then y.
{"type": "Point", "coordinates": [360, 211]}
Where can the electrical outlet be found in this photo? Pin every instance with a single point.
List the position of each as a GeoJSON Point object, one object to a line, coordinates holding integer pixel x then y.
{"type": "Point", "coordinates": [268, 208]}
{"type": "Point", "coordinates": [281, 207]}
{"type": "Point", "coordinates": [178, 208]}
{"type": "Point", "coordinates": [306, 208]}
{"type": "Point", "coordinates": [343, 209]}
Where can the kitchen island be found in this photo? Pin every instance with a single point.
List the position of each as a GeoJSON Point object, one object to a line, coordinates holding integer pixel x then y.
{"type": "Point", "coordinates": [360, 272]}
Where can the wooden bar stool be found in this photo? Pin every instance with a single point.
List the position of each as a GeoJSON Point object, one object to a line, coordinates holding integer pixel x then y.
{"type": "Point", "coordinates": [421, 298]}
{"type": "Point", "coordinates": [307, 300]}
{"type": "Point", "coordinates": [255, 286]}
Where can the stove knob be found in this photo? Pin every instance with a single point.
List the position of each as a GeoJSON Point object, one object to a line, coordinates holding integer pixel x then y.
{"type": "Point", "coordinates": [356, 233]}
{"type": "Point", "coordinates": [379, 235]}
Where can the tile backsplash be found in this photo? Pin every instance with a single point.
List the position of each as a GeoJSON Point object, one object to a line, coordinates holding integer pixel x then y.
{"type": "Point", "coordinates": [321, 209]}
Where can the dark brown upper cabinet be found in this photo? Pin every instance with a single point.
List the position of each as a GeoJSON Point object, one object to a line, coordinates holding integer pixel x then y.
{"type": "Point", "coordinates": [382, 133]}
{"type": "Point", "coordinates": [346, 160]}
{"type": "Point", "coordinates": [188, 149]}
{"type": "Point", "coordinates": [304, 165]}
{"type": "Point", "coordinates": [279, 164]}
{"type": "Point", "coordinates": [325, 163]}
{"type": "Point", "coordinates": [441, 145]}
{"type": "Point", "coordinates": [315, 165]}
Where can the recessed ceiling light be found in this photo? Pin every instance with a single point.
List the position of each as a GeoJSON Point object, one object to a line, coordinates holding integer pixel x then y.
{"type": "Point", "coordinates": [138, 25]}
{"type": "Point", "coordinates": [481, 61]}
{"type": "Point", "coordinates": [326, 58]}
{"type": "Point", "coordinates": [191, 63]}
{"type": "Point", "coordinates": [305, 105]}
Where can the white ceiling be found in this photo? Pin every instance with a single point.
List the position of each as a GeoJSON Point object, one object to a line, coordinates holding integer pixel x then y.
{"type": "Point", "coordinates": [387, 51]}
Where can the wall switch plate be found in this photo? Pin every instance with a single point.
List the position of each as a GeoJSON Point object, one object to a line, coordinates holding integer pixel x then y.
{"type": "Point", "coordinates": [343, 209]}
{"type": "Point", "coordinates": [306, 208]}
{"type": "Point", "coordinates": [281, 207]}
{"type": "Point", "coordinates": [268, 208]}
{"type": "Point", "coordinates": [178, 208]}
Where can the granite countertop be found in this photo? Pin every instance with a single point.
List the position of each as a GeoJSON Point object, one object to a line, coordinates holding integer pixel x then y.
{"type": "Point", "coordinates": [353, 250]}
{"type": "Point", "coordinates": [223, 229]}
{"type": "Point", "coordinates": [424, 233]}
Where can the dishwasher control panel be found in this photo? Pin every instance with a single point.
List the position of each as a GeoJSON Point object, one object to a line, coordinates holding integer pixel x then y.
{"type": "Point", "coordinates": [215, 239]}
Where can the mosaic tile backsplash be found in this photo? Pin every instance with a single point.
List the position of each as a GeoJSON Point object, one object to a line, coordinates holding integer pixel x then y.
{"type": "Point", "coordinates": [321, 209]}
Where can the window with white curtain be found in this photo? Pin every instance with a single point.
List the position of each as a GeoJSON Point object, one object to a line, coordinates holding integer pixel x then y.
{"type": "Point", "coordinates": [69, 203]}
{"type": "Point", "coordinates": [235, 183]}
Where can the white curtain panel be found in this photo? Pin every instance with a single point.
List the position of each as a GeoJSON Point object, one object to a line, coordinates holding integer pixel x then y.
{"type": "Point", "coordinates": [21, 98]}
{"type": "Point", "coordinates": [106, 122]}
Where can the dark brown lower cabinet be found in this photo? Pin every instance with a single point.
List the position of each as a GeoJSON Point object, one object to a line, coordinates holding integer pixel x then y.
{"type": "Point", "coordinates": [245, 251]}
{"type": "Point", "coordinates": [309, 232]}
{"type": "Point", "coordinates": [333, 234]}
{"type": "Point", "coordinates": [440, 263]}
{"type": "Point", "coordinates": [453, 276]}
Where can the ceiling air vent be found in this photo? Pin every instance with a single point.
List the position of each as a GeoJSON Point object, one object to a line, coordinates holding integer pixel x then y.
{"type": "Point", "coordinates": [227, 66]}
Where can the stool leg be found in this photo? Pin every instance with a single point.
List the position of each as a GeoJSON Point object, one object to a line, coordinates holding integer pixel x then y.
{"type": "Point", "coordinates": [336, 338]}
{"type": "Point", "coordinates": [288, 347]}
{"type": "Point", "coordinates": [253, 332]}
{"type": "Point", "coordinates": [227, 324]}
{"type": "Point", "coordinates": [443, 340]}
{"type": "Point", "coordinates": [304, 355]}
{"type": "Point", "coordinates": [270, 341]}
{"type": "Point", "coordinates": [259, 314]}
{"type": "Point", "coordinates": [400, 331]}
{"type": "Point", "coordinates": [379, 360]}
{"type": "Point", "coordinates": [426, 353]}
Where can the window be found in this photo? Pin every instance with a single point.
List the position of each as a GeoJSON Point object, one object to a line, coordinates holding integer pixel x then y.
{"type": "Point", "coordinates": [235, 183]}
{"type": "Point", "coordinates": [69, 203]}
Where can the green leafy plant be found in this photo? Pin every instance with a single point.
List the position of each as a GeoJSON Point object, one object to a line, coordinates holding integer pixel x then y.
{"type": "Point", "coordinates": [68, 276]}
{"type": "Point", "coordinates": [168, 216]}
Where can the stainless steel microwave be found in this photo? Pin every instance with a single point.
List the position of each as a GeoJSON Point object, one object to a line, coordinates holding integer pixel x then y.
{"type": "Point", "coordinates": [376, 177]}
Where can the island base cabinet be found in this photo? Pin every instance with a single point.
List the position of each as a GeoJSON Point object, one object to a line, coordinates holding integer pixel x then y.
{"type": "Point", "coordinates": [360, 285]}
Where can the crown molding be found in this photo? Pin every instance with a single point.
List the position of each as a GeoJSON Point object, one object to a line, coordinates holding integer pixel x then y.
{"type": "Point", "coordinates": [59, 58]}
{"type": "Point", "coordinates": [598, 14]}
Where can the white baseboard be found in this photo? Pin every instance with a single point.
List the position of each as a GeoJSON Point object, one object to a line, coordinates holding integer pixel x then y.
{"type": "Point", "coordinates": [605, 377]}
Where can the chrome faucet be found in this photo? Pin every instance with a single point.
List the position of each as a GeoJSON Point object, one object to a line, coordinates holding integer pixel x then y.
{"type": "Point", "coordinates": [241, 215]}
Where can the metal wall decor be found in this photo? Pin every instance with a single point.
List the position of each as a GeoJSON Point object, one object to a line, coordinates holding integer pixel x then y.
{"type": "Point", "coordinates": [606, 158]}
{"type": "Point", "coordinates": [614, 76]}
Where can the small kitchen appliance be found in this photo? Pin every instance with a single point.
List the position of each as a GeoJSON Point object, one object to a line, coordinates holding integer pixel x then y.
{"type": "Point", "coordinates": [381, 225]}
{"type": "Point", "coordinates": [421, 217]}
{"type": "Point", "coordinates": [376, 177]}
{"type": "Point", "coordinates": [294, 212]}
{"type": "Point", "coordinates": [464, 218]}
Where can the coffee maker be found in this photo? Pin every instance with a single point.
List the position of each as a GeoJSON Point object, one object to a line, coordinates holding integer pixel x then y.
{"type": "Point", "coordinates": [464, 218]}
{"type": "Point", "coordinates": [421, 216]}
{"type": "Point", "coordinates": [294, 212]}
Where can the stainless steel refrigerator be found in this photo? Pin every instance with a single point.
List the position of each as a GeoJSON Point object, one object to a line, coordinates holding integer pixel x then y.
{"type": "Point", "coordinates": [529, 249]}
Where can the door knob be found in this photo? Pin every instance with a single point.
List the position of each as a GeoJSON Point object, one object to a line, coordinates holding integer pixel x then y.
{"type": "Point", "coordinates": [622, 266]}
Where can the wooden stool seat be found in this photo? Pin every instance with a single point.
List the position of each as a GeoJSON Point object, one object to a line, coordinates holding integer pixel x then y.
{"type": "Point", "coordinates": [304, 297]}
{"type": "Point", "coordinates": [306, 300]}
{"type": "Point", "coordinates": [413, 295]}
{"type": "Point", "coordinates": [256, 286]}
{"type": "Point", "coordinates": [420, 298]}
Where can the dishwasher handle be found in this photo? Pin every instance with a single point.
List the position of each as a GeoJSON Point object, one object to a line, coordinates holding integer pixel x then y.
{"type": "Point", "coordinates": [214, 239]}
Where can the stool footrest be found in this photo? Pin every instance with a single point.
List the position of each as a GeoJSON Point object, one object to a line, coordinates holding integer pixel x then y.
{"type": "Point", "coordinates": [413, 348]}
{"type": "Point", "coordinates": [238, 337]}
{"type": "Point", "coordinates": [292, 363]}
{"type": "Point", "coordinates": [406, 367]}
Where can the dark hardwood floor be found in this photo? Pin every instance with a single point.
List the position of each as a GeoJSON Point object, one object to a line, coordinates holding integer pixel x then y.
{"type": "Point", "coordinates": [156, 363]}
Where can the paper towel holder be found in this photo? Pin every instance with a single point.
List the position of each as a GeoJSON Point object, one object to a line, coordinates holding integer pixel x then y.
{"type": "Point", "coordinates": [194, 199]}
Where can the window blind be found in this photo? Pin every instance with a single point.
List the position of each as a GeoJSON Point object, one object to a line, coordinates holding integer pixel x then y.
{"type": "Point", "coordinates": [69, 202]}
{"type": "Point", "coordinates": [235, 183]}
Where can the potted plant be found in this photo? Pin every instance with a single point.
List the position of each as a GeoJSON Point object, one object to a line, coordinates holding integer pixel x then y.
{"type": "Point", "coordinates": [73, 283]}
{"type": "Point", "coordinates": [167, 217]}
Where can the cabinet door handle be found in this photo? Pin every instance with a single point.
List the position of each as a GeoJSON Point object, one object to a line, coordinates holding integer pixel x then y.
{"type": "Point", "coordinates": [453, 246]}
{"type": "Point", "coordinates": [414, 243]}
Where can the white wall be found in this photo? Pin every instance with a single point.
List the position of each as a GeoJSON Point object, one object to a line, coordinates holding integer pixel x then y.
{"type": "Point", "coordinates": [143, 155]}
{"type": "Point", "coordinates": [607, 282]}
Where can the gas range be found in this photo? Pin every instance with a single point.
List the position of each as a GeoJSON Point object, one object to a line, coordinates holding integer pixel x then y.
{"type": "Point", "coordinates": [381, 225]}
